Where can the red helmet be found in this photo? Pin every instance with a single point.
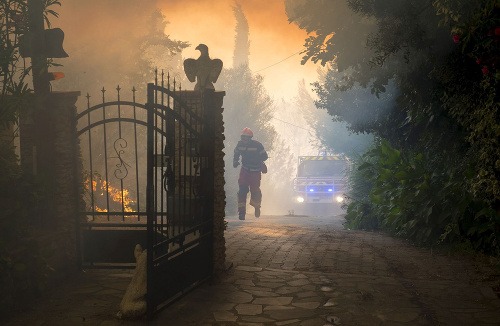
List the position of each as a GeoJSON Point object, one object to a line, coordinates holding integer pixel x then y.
{"type": "Point", "coordinates": [247, 132]}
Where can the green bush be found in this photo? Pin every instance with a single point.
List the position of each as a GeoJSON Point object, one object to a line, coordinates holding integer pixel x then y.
{"type": "Point", "coordinates": [360, 210]}
{"type": "Point", "coordinates": [428, 203]}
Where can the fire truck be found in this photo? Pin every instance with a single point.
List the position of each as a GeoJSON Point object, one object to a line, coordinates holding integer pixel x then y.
{"type": "Point", "coordinates": [320, 180]}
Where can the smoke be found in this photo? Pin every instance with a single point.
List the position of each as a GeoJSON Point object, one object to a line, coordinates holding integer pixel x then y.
{"type": "Point", "coordinates": [105, 51]}
{"type": "Point", "coordinates": [102, 42]}
{"type": "Point", "coordinates": [272, 37]}
{"type": "Point", "coordinates": [105, 42]}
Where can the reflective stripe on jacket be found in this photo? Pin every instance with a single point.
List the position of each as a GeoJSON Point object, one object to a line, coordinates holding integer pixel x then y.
{"type": "Point", "coordinates": [252, 154]}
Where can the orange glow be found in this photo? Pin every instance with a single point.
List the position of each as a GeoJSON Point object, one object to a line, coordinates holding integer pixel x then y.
{"type": "Point", "coordinates": [274, 232]}
{"type": "Point", "coordinates": [115, 31]}
{"type": "Point", "coordinates": [272, 37]}
{"type": "Point", "coordinates": [115, 194]}
{"type": "Point", "coordinates": [212, 22]}
{"type": "Point", "coordinates": [56, 75]}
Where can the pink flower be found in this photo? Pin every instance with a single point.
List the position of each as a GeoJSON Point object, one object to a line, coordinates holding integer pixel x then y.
{"type": "Point", "coordinates": [456, 38]}
{"type": "Point", "coordinates": [478, 61]}
{"type": "Point", "coordinates": [497, 31]}
{"type": "Point", "coordinates": [485, 70]}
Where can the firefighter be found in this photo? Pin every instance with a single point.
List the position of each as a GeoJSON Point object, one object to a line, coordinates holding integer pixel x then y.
{"type": "Point", "coordinates": [253, 156]}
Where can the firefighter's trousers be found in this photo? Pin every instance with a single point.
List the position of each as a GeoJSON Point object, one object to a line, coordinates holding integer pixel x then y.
{"type": "Point", "coordinates": [249, 181]}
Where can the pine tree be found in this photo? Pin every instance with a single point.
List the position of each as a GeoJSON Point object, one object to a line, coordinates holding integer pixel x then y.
{"type": "Point", "coordinates": [241, 41]}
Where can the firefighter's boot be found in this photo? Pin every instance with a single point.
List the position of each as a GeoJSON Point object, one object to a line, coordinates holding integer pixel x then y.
{"type": "Point", "coordinates": [241, 210]}
{"type": "Point", "coordinates": [242, 202]}
{"type": "Point", "coordinates": [241, 214]}
{"type": "Point", "coordinates": [256, 205]}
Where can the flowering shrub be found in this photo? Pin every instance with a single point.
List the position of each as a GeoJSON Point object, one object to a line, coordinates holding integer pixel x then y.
{"type": "Point", "coordinates": [481, 37]}
{"type": "Point", "coordinates": [470, 82]}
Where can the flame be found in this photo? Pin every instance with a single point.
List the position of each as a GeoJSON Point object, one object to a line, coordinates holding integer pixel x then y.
{"type": "Point", "coordinates": [116, 195]}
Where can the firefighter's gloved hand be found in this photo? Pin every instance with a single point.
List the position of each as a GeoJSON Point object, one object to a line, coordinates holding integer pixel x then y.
{"type": "Point", "coordinates": [263, 168]}
{"type": "Point", "coordinates": [235, 164]}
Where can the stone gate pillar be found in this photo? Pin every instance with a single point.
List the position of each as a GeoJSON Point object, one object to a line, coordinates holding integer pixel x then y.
{"type": "Point", "coordinates": [58, 154]}
{"type": "Point", "coordinates": [216, 101]}
{"type": "Point", "coordinates": [50, 150]}
{"type": "Point", "coordinates": [212, 103]}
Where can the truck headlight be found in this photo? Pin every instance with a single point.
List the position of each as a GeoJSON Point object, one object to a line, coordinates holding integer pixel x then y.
{"type": "Point", "coordinates": [300, 199]}
{"type": "Point", "coordinates": [339, 199]}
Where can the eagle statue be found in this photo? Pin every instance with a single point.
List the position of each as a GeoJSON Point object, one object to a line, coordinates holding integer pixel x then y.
{"type": "Point", "coordinates": [204, 70]}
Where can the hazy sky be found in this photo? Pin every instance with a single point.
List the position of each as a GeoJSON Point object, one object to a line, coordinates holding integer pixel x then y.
{"type": "Point", "coordinates": [272, 38]}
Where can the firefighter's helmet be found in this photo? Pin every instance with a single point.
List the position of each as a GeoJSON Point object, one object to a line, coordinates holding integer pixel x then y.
{"type": "Point", "coordinates": [247, 132]}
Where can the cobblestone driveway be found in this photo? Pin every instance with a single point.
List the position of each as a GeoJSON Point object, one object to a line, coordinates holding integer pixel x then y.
{"type": "Point", "coordinates": [301, 271]}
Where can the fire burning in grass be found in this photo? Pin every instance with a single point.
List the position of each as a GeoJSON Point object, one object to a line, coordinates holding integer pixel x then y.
{"type": "Point", "coordinates": [102, 192]}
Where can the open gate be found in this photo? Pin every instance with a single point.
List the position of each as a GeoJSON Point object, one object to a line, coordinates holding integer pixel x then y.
{"type": "Point", "coordinates": [179, 193]}
{"type": "Point", "coordinates": [148, 172]}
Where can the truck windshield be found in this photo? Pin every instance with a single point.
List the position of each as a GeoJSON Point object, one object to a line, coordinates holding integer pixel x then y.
{"type": "Point", "coordinates": [322, 168]}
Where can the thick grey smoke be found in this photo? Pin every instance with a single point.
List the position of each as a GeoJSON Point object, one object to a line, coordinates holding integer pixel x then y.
{"type": "Point", "coordinates": [110, 45]}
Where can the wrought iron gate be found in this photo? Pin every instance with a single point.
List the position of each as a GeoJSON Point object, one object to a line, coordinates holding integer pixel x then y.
{"type": "Point", "coordinates": [179, 193]}
{"type": "Point", "coordinates": [149, 181]}
{"type": "Point", "coordinates": [113, 217]}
